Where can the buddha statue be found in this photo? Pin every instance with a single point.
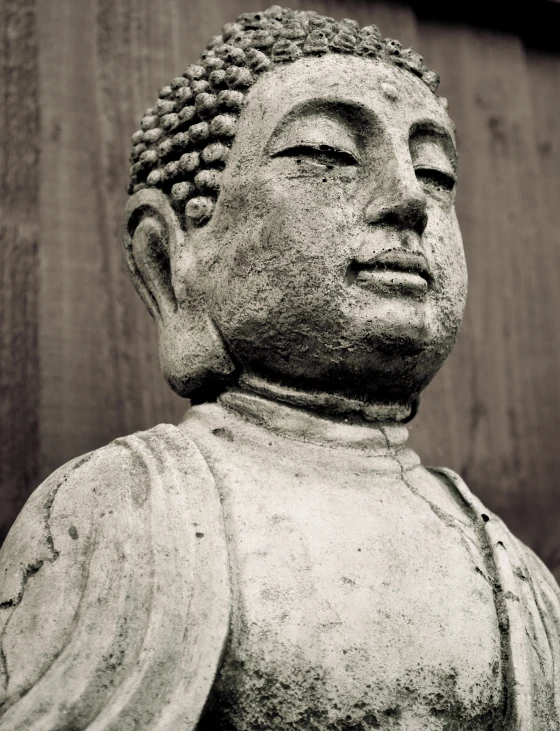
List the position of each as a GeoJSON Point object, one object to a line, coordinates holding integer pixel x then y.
{"type": "Point", "coordinates": [281, 559]}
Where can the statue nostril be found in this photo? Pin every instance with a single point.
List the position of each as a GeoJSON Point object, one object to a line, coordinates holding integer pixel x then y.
{"type": "Point", "coordinates": [421, 223]}
{"type": "Point", "coordinates": [408, 210]}
{"type": "Point", "coordinates": [412, 219]}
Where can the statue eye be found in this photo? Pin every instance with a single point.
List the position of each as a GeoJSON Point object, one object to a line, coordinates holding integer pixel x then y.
{"type": "Point", "coordinates": [436, 180]}
{"type": "Point", "coordinates": [319, 154]}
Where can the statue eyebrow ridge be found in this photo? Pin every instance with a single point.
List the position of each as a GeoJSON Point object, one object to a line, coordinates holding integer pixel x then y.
{"type": "Point", "coordinates": [349, 115]}
{"type": "Point", "coordinates": [431, 128]}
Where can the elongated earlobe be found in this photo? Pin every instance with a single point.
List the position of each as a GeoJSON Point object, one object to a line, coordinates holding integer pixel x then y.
{"type": "Point", "coordinates": [193, 356]}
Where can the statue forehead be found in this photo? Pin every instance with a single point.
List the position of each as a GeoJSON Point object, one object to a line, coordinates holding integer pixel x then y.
{"type": "Point", "coordinates": [187, 136]}
{"type": "Point", "coordinates": [388, 93]}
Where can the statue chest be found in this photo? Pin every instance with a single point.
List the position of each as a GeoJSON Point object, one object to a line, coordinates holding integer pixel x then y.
{"type": "Point", "coordinates": [357, 603]}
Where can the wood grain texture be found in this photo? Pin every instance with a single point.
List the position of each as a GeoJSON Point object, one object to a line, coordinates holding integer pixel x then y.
{"type": "Point", "coordinates": [492, 413]}
{"type": "Point", "coordinates": [78, 357]}
{"type": "Point", "coordinates": [19, 270]}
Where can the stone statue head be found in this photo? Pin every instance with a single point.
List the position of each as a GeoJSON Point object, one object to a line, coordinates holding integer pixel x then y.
{"type": "Point", "coordinates": [291, 217]}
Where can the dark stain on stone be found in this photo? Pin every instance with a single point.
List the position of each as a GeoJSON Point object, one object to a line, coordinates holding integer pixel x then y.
{"type": "Point", "coordinates": [73, 532]}
{"type": "Point", "coordinates": [223, 434]}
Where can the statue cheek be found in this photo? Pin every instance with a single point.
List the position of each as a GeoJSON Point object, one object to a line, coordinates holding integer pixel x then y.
{"type": "Point", "coordinates": [443, 246]}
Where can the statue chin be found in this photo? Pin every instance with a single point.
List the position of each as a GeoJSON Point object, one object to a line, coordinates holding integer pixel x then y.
{"type": "Point", "coordinates": [392, 368]}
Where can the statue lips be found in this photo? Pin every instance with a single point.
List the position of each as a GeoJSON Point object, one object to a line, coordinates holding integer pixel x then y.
{"type": "Point", "coordinates": [395, 272]}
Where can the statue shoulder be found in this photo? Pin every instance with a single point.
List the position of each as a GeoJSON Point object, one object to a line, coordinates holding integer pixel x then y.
{"type": "Point", "coordinates": [114, 591]}
{"type": "Point", "coordinates": [527, 567]}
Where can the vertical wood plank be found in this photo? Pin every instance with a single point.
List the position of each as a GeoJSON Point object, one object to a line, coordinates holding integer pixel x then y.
{"type": "Point", "coordinates": [79, 402]}
{"type": "Point", "coordinates": [125, 70]}
{"type": "Point", "coordinates": [19, 232]}
{"type": "Point", "coordinates": [494, 409]}
{"type": "Point", "coordinates": [544, 80]}
{"type": "Point", "coordinates": [97, 345]}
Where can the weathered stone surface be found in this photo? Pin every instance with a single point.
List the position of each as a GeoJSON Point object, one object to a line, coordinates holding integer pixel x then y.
{"type": "Point", "coordinates": [117, 581]}
{"type": "Point", "coordinates": [360, 595]}
{"type": "Point", "coordinates": [281, 559]}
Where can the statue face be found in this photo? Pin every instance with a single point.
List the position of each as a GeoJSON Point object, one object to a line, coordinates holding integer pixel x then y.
{"type": "Point", "coordinates": [334, 259]}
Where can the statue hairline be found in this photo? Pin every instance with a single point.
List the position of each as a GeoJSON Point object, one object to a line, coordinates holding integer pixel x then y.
{"type": "Point", "coordinates": [184, 151]}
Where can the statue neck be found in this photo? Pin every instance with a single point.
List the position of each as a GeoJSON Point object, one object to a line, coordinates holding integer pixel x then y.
{"type": "Point", "coordinates": [327, 404]}
{"type": "Point", "coordinates": [320, 418]}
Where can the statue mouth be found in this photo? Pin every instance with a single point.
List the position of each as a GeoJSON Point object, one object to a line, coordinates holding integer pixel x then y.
{"type": "Point", "coordinates": [394, 271]}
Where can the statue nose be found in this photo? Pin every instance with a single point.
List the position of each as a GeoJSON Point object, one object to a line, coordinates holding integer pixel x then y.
{"type": "Point", "coordinates": [402, 205]}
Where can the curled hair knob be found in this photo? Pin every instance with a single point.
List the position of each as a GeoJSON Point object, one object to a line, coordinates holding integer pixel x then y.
{"type": "Point", "coordinates": [199, 209]}
{"type": "Point", "coordinates": [194, 72]}
{"type": "Point", "coordinates": [223, 125]}
{"type": "Point", "coordinates": [181, 191]}
{"type": "Point", "coordinates": [189, 162]}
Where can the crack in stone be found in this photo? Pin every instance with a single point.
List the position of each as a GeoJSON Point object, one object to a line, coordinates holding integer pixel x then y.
{"type": "Point", "coordinates": [30, 569]}
{"type": "Point", "coordinates": [4, 675]}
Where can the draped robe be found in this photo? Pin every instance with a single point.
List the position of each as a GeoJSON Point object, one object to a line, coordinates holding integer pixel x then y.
{"type": "Point", "coordinates": [115, 596]}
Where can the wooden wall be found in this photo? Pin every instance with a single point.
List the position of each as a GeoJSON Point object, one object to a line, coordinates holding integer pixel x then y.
{"type": "Point", "coordinates": [78, 362]}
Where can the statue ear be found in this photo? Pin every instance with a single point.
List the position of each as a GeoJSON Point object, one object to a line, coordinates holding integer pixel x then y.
{"type": "Point", "coordinates": [152, 236]}
{"type": "Point", "coordinates": [192, 353]}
